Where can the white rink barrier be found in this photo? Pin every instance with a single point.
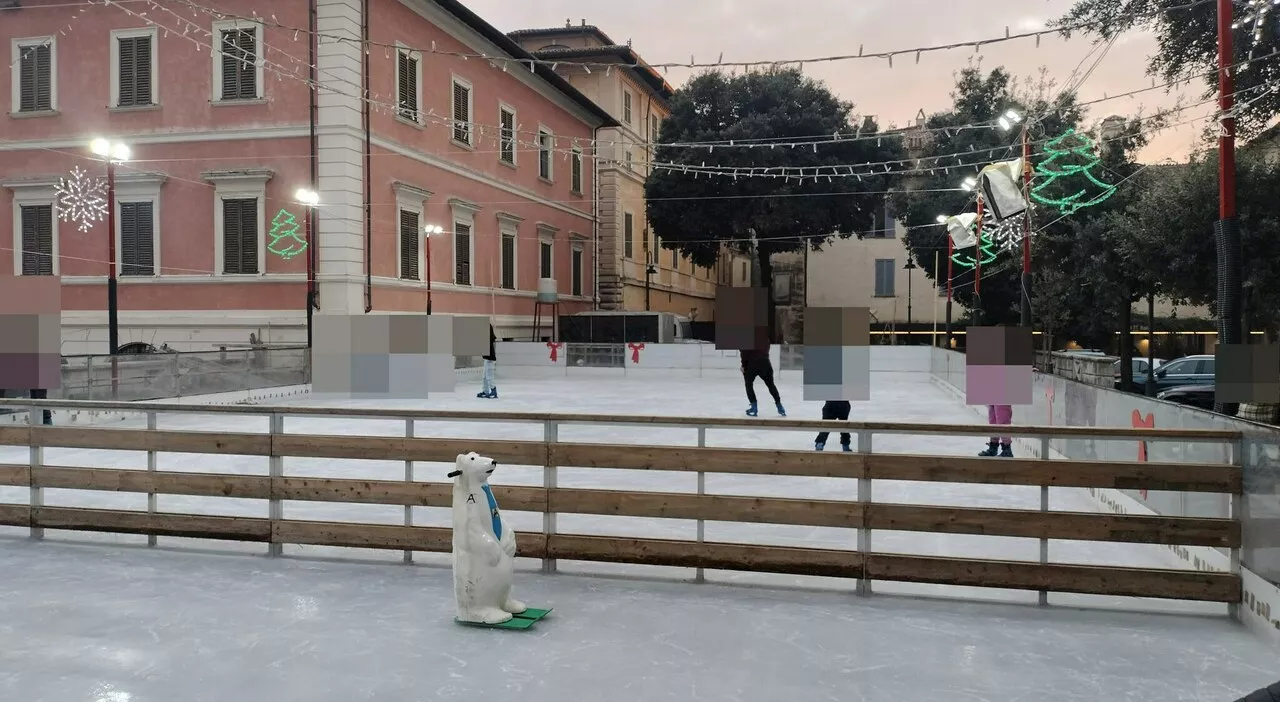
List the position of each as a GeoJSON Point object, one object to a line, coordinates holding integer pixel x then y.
{"type": "Point", "coordinates": [678, 360]}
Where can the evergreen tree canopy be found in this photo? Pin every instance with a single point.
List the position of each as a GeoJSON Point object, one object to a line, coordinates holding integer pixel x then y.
{"type": "Point", "coordinates": [696, 213]}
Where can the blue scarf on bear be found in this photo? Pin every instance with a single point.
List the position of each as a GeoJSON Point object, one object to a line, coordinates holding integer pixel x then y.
{"type": "Point", "coordinates": [493, 511]}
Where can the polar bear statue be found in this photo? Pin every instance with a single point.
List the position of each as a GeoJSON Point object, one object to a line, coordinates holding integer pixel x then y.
{"type": "Point", "coordinates": [484, 548]}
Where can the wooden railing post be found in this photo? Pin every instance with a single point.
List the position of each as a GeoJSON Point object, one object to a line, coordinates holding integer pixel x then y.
{"type": "Point", "coordinates": [275, 469]}
{"type": "Point", "coordinates": [408, 478]}
{"type": "Point", "coordinates": [1044, 507]}
{"type": "Point", "coordinates": [699, 576]}
{"type": "Point", "coordinates": [152, 467]}
{"type": "Point", "coordinates": [35, 418]}
{"type": "Point", "coordinates": [550, 435]}
{"type": "Point", "coordinates": [863, 586]}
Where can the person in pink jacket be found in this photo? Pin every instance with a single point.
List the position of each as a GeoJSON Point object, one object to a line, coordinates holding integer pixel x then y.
{"type": "Point", "coordinates": [999, 445]}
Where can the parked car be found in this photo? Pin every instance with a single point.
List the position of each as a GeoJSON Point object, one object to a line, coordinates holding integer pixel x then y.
{"type": "Point", "coordinates": [1188, 370]}
{"type": "Point", "coordinates": [1139, 373]}
{"type": "Point", "coordinates": [1193, 395]}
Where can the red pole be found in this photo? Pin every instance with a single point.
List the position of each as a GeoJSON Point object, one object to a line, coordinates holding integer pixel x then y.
{"type": "Point", "coordinates": [428, 274]}
{"type": "Point", "coordinates": [311, 275]}
{"type": "Point", "coordinates": [113, 315]}
{"type": "Point", "coordinates": [1226, 234]}
{"type": "Point", "coordinates": [950, 253]}
{"type": "Point", "coordinates": [977, 251]}
{"type": "Point", "coordinates": [1026, 229]}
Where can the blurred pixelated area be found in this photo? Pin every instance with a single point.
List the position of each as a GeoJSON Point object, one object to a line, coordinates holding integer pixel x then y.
{"type": "Point", "coordinates": [998, 362]}
{"type": "Point", "coordinates": [31, 332]}
{"type": "Point", "coordinates": [742, 319]}
{"type": "Point", "coordinates": [837, 354]}
{"type": "Point", "coordinates": [1248, 373]}
{"type": "Point", "coordinates": [398, 356]}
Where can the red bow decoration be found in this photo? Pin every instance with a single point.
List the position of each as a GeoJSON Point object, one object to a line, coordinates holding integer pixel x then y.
{"type": "Point", "coordinates": [635, 352]}
{"type": "Point", "coordinates": [555, 349]}
{"type": "Point", "coordinates": [1140, 422]}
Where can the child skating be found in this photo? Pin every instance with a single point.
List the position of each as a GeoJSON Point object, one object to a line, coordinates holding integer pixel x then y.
{"type": "Point", "coordinates": [999, 445]}
{"type": "Point", "coordinates": [756, 364]}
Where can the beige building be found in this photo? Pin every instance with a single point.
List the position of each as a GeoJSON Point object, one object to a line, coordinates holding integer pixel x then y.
{"type": "Point", "coordinates": [635, 273]}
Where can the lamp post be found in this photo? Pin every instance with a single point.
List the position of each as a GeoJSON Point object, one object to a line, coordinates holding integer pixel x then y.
{"type": "Point", "coordinates": [112, 152]}
{"type": "Point", "coordinates": [429, 231]}
{"type": "Point", "coordinates": [309, 199]}
{"type": "Point", "coordinates": [1226, 231]}
{"type": "Point", "coordinates": [911, 266]}
{"type": "Point", "coordinates": [942, 219]}
{"type": "Point", "coordinates": [1007, 122]}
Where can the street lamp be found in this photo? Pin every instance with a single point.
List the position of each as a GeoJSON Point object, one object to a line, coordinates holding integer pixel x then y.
{"type": "Point", "coordinates": [942, 219]}
{"type": "Point", "coordinates": [911, 266]}
{"type": "Point", "coordinates": [310, 199]}
{"type": "Point", "coordinates": [429, 231]}
{"type": "Point", "coordinates": [112, 152]}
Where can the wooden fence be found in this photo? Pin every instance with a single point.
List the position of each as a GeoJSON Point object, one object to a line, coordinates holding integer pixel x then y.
{"type": "Point", "coordinates": [864, 515]}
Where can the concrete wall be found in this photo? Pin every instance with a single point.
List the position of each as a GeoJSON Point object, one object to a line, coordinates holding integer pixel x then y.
{"type": "Point", "coordinates": [1060, 401]}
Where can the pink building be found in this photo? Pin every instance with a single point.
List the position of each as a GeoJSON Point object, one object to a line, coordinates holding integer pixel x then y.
{"type": "Point", "coordinates": [218, 109]}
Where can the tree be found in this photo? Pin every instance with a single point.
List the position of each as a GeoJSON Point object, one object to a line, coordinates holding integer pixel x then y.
{"type": "Point", "coordinates": [964, 139]}
{"type": "Point", "coordinates": [697, 213]}
{"type": "Point", "coordinates": [1188, 39]}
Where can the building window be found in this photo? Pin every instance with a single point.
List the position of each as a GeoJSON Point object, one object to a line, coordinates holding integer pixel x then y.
{"type": "Point", "coordinates": [462, 253]}
{"type": "Point", "coordinates": [653, 129]}
{"type": "Point", "coordinates": [746, 274]}
{"type": "Point", "coordinates": [675, 260]}
{"type": "Point", "coordinates": [240, 236]}
{"type": "Point", "coordinates": [575, 176]}
{"type": "Point", "coordinates": [546, 142]}
{"type": "Point", "coordinates": [37, 239]}
{"type": "Point", "coordinates": [508, 261]}
{"type": "Point", "coordinates": [628, 160]}
{"type": "Point", "coordinates": [35, 75]}
{"type": "Point", "coordinates": [238, 61]}
{"type": "Point", "coordinates": [885, 270]}
{"type": "Point", "coordinates": [942, 288]}
{"type": "Point", "coordinates": [626, 106]}
{"type": "Point", "coordinates": [507, 149]}
{"type": "Point", "coordinates": [138, 238]}
{"type": "Point", "coordinates": [133, 68]}
{"type": "Point", "coordinates": [545, 250]}
{"type": "Point", "coordinates": [884, 226]}
{"type": "Point", "coordinates": [576, 271]}
{"type": "Point", "coordinates": [462, 112]}
{"type": "Point", "coordinates": [408, 84]}
{"type": "Point", "coordinates": [628, 235]}
{"type": "Point", "coordinates": [410, 238]}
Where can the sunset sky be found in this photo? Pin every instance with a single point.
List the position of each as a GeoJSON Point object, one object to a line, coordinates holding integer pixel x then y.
{"type": "Point", "coordinates": [745, 30]}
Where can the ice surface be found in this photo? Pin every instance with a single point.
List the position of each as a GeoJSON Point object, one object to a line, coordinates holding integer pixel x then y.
{"type": "Point", "coordinates": [103, 623]}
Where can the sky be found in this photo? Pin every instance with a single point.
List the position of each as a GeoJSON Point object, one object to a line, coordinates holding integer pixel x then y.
{"type": "Point", "coordinates": [664, 31]}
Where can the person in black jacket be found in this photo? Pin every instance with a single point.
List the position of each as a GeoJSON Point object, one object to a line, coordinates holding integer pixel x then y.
{"type": "Point", "coordinates": [490, 362]}
{"type": "Point", "coordinates": [1270, 693]}
{"type": "Point", "coordinates": [756, 364]}
{"type": "Point", "coordinates": [835, 409]}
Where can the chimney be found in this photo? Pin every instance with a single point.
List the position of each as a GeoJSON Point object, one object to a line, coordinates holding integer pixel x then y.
{"type": "Point", "coordinates": [568, 23]}
{"type": "Point", "coordinates": [584, 22]}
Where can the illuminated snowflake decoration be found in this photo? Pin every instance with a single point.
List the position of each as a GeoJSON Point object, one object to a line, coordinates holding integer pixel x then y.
{"type": "Point", "coordinates": [82, 199]}
{"type": "Point", "coordinates": [1006, 235]}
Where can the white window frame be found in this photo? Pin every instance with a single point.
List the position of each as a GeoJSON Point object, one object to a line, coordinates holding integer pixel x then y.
{"type": "Point", "coordinates": [116, 36]}
{"type": "Point", "coordinates": [34, 193]}
{"type": "Point", "coordinates": [417, 77]}
{"type": "Point", "coordinates": [140, 188]}
{"type": "Point", "coordinates": [15, 72]}
{"type": "Point", "coordinates": [259, 47]}
{"type": "Point", "coordinates": [547, 235]}
{"type": "Point", "coordinates": [455, 81]}
{"type": "Point", "coordinates": [239, 186]}
{"type": "Point", "coordinates": [515, 134]}
{"type": "Point", "coordinates": [413, 199]}
{"type": "Point", "coordinates": [628, 160]}
{"type": "Point", "coordinates": [551, 155]}
{"type": "Point", "coordinates": [509, 225]}
{"type": "Point", "coordinates": [576, 246]}
{"type": "Point", "coordinates": [628, 106]}
{"type": "Point", "coordinates": [463, 212]}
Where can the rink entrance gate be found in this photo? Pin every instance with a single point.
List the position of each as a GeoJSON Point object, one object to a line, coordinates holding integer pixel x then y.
{"type": "Point", "coordinates": [864, 514]}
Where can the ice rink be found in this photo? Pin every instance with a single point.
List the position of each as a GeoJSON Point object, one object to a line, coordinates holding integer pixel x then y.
{"type": "Point", "coordinates": [101, 618]}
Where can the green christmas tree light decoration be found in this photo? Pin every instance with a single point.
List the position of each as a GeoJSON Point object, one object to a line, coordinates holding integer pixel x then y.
{"type": "Point", "coordinates": [1056, 167]}
{"type": "Point", "coordinates": [988, 250]}
{"type": "Point", "coordinates": [285, 241]}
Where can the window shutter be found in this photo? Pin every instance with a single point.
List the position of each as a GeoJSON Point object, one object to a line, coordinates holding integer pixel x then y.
{"type": "Point", "coordinates": [461, 113]}
{"type": "Point", "coordinates": [409, 230]}
{"type": "Point", "coordinates": [248, 66]}
{"type": "Point", "coordinates": [128, 75]}
{"type": "Point", "coordinates": [249, 236]}
{"type": "Point", "coordinates": [462, 253]}
{"type": "Point", "coordinates": [239, 64]}
{"type": "Point", "coordinates": [577, 273]}
{"type": "Point", "coordinates": [628, 235]}
{"type": "Point", "coordinates": [137, 238]}
{"type": "Point", "coordinates": [35, 78]}
{"type": "Point", "coordinates": [37, 239]}
{"type": "Point", "coordinates": [240, 236]}
{"type": "Point", "coordinates": [577, 171]}
{"type": "Point", "coordinates": [544, 267]}
{"type": "Point", "coordinates": [544, 155]}
{"type": "Point", "coordinates": [142, 70]}
{"type": "Point", "coordinates": [508, 262]}
{"type": "Point", "coordinates": [508, 136]}
{"type": "Point", "coordinates": [408, 82]}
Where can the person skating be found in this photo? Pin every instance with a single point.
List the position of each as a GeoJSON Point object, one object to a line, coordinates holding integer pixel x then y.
{"type": "Point", "coordinates": [835, 409]}
{"type": "Point", "coordinates": [490, 390]}
{"type": "Point", "coordinates": [756, 364]}
{"type": "Point", "coordinates": [999, 445]}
